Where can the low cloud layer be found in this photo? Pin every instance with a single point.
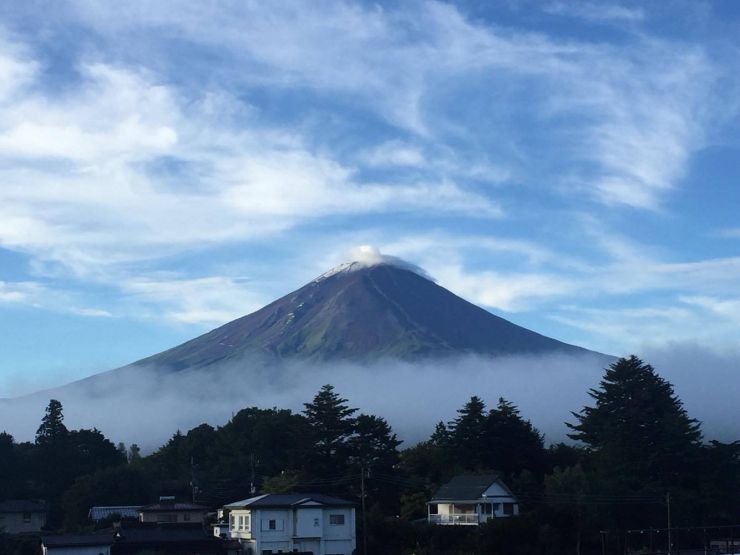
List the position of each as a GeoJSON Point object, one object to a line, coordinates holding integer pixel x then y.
{"type": "Point", "coordinates": [147, 406]}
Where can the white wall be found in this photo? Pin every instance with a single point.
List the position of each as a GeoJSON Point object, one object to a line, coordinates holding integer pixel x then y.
{"type": "Point", "coordinates": [299, 528]}
{"type": "Point", "coordinates": [496, 490]}
{"type": "Point", "coordinates": [13, 523]}
{"type": "Point", "coordinates": [339, 532]}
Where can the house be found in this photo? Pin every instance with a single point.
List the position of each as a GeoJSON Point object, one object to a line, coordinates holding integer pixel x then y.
{"type": "Point", "coordinates": [292, 522]}
{"type": "Point", "coordinates": [180, 539]}
{"type": "Point", "coordinates": [168, 511]}
{"type": "Point", "coordinates": [472, 500]}
{"type": "Point", "coordinates": [121, 511]}
{"type": "Point", "coordinates": [135, 538]}
{"type": "Point", "coordinates": [22, 516]}
{"type": "Point", "coordinates": [99, 543]}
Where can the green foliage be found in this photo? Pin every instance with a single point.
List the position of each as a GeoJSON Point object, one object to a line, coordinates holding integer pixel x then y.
{"type": "Point", "coordinates": [497, 440]}
{"type": "Point", "coordinates": [374, 444]}
{"type": "Point", "coordinates": [466, 433]}
{"type": "Point", "coordinates": [510, 443]}
{"type": "Point", "coordinates": [282, 483]}
{"type": "Point", "coordinates": [52, 426]}
{"type": "Point", "coordinates": [331, 422]}
{"type": "Point", "coordinates": [134, 454]}
{"type": "Point", "coordinates": [638, 431]}
{"type": "Point", "coordinates": [120, 485]}
{"type": "Point", "coordinates": [13, 468]}
{"type": "Point", "coordinates": [414, 505]}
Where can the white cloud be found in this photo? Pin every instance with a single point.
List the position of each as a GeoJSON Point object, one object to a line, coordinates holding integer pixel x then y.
{"type": "Point", "coordinates": [395, 153]}
{"type": "Point", "coordinates": [732, 232]}
{"type": "Point", "coordinates": [724, 308]}
{"type": "Point", "coordinates": [506, 291]}
{"type": "Point", "coordinates": [40, 296]}
{"type": "Point", "coordinates": [20, 292]}
{"type": "Point", "coordinates": [601, 11]}
{"type": "Point", "coordinates": [633, 113]}
{"type": "Point", "coordinates": [212, 300]}
{"type": "Point", "coordinates": [94, 196]}
{"type": "Point", "coordinates": [17, 69]}
{"type": "Point", "coordinates": [133, 164]}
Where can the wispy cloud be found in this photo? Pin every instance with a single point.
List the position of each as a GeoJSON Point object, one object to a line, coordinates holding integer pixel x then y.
{"type": "Point", "coordinates": [124, 169]}
{"type": "Point", "coordinates": [596, 11]}
{"type": "Point", "coordinates": [203, 301]}
{"type": "Point", "coordinates": [635, 111]}
{"type": "Point", "coordinates": [468, 146]}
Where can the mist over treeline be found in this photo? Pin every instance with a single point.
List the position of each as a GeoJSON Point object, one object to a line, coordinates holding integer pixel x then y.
{"type": "Point", "coordinates": [143, 405]}
{"type": "Point", "coordinates": [634, 441]}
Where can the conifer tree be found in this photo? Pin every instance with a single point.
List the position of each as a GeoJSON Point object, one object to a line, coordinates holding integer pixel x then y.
{"type": "Point", "coordinates": [331, 422]}
{"type": "Point", "coordinates": [52, 426]}
{"type": "Point", "coordinates": [466, 432]}
{"type": "Point", "coordinates": [637, 429]}
{"type": "Point", "coordinates": [512, 444]}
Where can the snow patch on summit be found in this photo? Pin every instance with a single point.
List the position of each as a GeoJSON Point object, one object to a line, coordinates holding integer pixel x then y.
{"type": "Point", "coordinates": [366, 256]}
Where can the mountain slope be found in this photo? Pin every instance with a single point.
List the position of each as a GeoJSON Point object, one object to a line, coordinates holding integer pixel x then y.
{"type": "Point", "coordinates": [362, 313]}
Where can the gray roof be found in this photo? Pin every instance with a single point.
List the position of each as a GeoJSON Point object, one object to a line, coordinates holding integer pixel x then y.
{"type": "Point", "coordinates": [289, 500]}
{"type": "Point", "coordinates": [163, 533]}
{"type": "Point", "coordinates": [23, 506]}
{"type": "Point", "coordinates": [124, 511]}
{"type": "Point", "coordinates": [467, 487]}
{"type": "Point", "coordinates": [169, 507]}
{"type": "Point", "coordinates": [79, 540]}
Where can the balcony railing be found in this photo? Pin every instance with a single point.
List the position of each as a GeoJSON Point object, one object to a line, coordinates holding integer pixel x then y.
{"type": "Point", "coordinates": [468, 518]}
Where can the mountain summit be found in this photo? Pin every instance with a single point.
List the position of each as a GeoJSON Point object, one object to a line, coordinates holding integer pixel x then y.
{"type": "Point", "coordinates": [375, 307]}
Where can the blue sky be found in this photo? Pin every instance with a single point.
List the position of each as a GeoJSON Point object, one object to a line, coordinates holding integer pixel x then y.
{"type": "Point", "coordinates": [168, 166]}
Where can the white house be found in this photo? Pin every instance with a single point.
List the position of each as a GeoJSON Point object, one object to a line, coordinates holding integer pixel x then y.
{"type": "Point", "coordinates": [472, 500]}
{"type": "Point", "coordinates": [22, 516]}
{"type": "Point", "coordinates": [285, 523]}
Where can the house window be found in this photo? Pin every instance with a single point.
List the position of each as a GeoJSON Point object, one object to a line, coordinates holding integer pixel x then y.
{"type": "Point", "coordinates": [167, 517]}
{"type": "Point", "coordinates": [509, 509]}
{"type": "Point", "coordinates": [26, 517]}
{"type": "Point", "coordinates": [487, 508]}
{"type": "Point", "coordinates": [272, 524]}
{"type": "Point", "coordinates": [186, 517]}
{"type": "Point", "coordinates": [232, 522]}
{"type": "Point", "coordinates": [336, 520]}
{"type": "Point", "coordinates": [433, 509]}
{"type": "Point", "coordinates": [496, 507]}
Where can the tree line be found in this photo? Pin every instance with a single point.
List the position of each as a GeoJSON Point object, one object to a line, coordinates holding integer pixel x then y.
{"type": "Point", "coordinates": [633, 445]}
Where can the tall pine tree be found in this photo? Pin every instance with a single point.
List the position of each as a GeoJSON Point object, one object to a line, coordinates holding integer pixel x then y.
{"type": "Point", "coordinates": [332, 423]}
{"type": "Point", "coordinates": [637, 430]}
{"type": "Point", "coordinates": [512, 444]}
{"type": "Point", "coordinates": [466, 433]}
{"type": "Point", "coordinates": [52, 426]}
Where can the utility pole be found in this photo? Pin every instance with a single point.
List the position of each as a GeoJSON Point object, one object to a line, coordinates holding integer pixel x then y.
{"type": "Point", "coordinates": [252, 485]}
{"type": "Point", "coordinates": [364, 520]}
{"type": "Point", "coordinates": [193, 480]}
{"type": "Point", "coordinates": [668, 504]}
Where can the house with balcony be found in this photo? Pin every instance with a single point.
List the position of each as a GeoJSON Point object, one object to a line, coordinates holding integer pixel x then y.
{"type": "Point", "coordinates": [471, 500]}
{"type": "Point", "coordinates": [292, 522]}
